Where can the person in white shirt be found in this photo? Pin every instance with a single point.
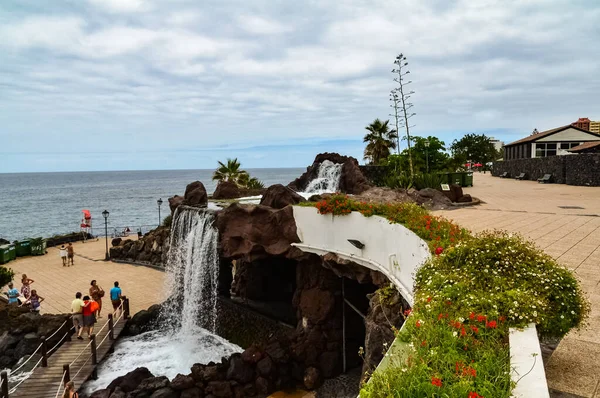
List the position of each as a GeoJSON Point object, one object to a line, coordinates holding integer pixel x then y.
{"type": "Point", "coordinates": [63, 255]}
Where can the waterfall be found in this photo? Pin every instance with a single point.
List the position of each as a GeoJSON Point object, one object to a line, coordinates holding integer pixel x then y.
{"type": "Point", "coordinates": [328, 178]}
{"type": "Point", "coordinates": [193, 270]}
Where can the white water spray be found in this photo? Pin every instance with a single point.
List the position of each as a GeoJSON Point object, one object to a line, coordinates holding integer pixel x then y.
{"type": "Point", "coordinates": [328, 178]}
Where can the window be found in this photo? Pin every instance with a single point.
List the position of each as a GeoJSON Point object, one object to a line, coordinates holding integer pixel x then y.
{"type": "Point", "coordinates": [543, 150]}
{"type": "Point", "coordinates": [569, 145]}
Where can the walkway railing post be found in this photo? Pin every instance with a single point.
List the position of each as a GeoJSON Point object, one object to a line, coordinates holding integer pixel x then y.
{"type": "Point", "coordinates": [67, 372]}
{"type": "Point", "coordinates": [4, 381]}
{"type": "Point", "coordinates": [44, 352]}
{"type": "Point", "coordinates": [126, 307]}
{"type": "Point", "coordinates": [111, 333]}
{"type": "Point", "coordinates": [94, 350]}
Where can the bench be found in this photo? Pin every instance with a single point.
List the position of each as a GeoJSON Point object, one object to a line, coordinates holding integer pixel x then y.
{"type": "Point", "coordinates": [504, 175]}
{"type": "Point", "coordinates": [521, 176]}
{"type": "Point", "coordinates": [545, 179]}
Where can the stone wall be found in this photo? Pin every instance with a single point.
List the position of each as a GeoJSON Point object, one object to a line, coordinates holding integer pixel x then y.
{"type": "Point", "coordinates": [151, 249]}
{"type": "Point", "coordinates": [582, 169]}
{"type": "Point", "coordinates": [534, 168]}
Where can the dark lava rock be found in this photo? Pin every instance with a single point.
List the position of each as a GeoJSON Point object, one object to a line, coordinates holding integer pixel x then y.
{"type": "Point", "coordinates": [312, 378]}
{"type": "Point", "coordinates": [153, 383]}
{"type": "Point", "coordinates": [329, 362]}
{"type": "Point", "coordinates": [277, 196]}
{"type": "Point", "coordinates": [116, 241]}
{"type": "Point", "coordinates": [263, 386]}
{"type": "Point", "coordinates": [165, 393]}
{"type": "Point", "coordinates": [265, 367]}
{"type": "Point", "coordinates": [465, 199]}
{"type": "Point", "coordinates": [240, 371]}
{"type": "Point", "coordinates": [193, 392]}
{"type": "Point", "coordinates": [316, 304]}
{"type": "Point", "coordinates": [195, 195]}
{"type": "Point", "coordinates": [252, 232]}
{"type": "Point", "coordinates": [118, 393]}
{"type": "Point", "coordinates": [252, 354]}
{"type": "Point", "coordinates": [220, 389]}
{"type": "Point", "coordinates": [431, 199]}
{"type": "Point", "coordinates": [455, 193]}
{"type": "Point", "coordinates": [104, 393]}
{"type": "Point", "coordinates": [352, 180]}
{"type": "Point", "coordinates": [182, 382]}
{"type": "Point", "coordinates": [315, 198]}
{"type": "Point", "coordinates": [143, 320]}
{"type": "Point", "coordinates": [226, 190]}
{"type": "Point", "coordinates": [175, 202]}
{"type": "Point", "coordinates": [131, 380]}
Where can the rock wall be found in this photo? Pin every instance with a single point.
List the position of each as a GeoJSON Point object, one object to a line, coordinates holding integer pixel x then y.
{"type": "Point", "coordinates": [583, 169]}
{"type": "Point", "coordinates": [21, 332]}
{"type": "Point", "coordinates": [151, 249]}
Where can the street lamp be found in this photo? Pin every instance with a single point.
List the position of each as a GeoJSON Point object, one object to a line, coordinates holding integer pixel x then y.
{"type": "Point", "coordinates": [427, 154]}
{"type": "Point", "coordinates": [105, 214]}
{"type": "Point", "coordinates": [160, 202]}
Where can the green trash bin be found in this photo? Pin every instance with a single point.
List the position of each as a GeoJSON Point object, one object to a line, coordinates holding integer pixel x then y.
{"type": "Point", "coordinates": [23, 248]}
{"type": "Point", "coordinates": [38, 246]}
{"type": "Point", "coordinates": [468, 179]}
{"type": "Point", "coordinates": [4, 254]}
{"type": "Point", "coordinates": [12, 251]}
{"type": "Point", "coordinates": [456, 179]}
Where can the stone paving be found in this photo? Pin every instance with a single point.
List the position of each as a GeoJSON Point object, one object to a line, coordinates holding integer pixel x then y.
{"type": "Point", "coordinates": [58, 284]}
{"type": "Point", "coordinates": [572, 236]}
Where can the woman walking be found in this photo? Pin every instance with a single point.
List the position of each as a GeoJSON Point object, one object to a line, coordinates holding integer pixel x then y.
{"type": "Point", "coordinates": [70, 391]}
{"type": "Point", "coordinates": [35, 302]}
{"type": "Point", "coordinates": [97, 293]}
{"type": "Point", "coordinates": [63, 255]}
{"type": "Point", "coordinates": [26, 288]}
{"type": "Point", "coordinates": [89, 317]}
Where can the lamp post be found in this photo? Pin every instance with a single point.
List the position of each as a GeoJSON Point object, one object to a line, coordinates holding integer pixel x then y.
{"type": "Point", "coordinates": [427, 154]}
{"type": "Point", "coordinates": [160, 202]}
{"type": "Point", "coordinates": [105, 214]}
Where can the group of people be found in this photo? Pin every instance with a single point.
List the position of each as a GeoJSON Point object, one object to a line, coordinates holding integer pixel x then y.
{"type": "Point", "coordinates": [25, 297]}
{"type": "Point", "coordinates": [86, 310]}
{"type": "Point", "coordinates": [67, 254]}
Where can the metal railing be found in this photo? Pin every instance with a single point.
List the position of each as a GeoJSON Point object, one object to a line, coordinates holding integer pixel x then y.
{"type": "Point", "coordinates": [124, 313]}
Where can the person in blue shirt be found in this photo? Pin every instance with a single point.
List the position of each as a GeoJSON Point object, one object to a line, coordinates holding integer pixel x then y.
{"type": "Point", "coordinates": [12, 294]}
{"type": "Point", "coordinates": [115, 297]}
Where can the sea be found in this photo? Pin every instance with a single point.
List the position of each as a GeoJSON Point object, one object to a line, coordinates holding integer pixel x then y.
{"type": "Point", "coordinates": [46, 204]}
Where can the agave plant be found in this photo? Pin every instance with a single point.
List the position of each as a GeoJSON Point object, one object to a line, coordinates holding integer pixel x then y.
{"type": "Point", "coordinates": [431, 180]}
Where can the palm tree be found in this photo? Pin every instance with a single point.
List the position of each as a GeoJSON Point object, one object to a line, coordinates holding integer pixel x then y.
{"type": "Point", "coordinates": [230, 172]}
{"type": "Point", "coordinates": [380, 140]}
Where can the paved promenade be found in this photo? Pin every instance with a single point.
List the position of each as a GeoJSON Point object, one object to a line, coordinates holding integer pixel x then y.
{"type": "Point", "coordinates": [58, 284]}
{"type": "Point", "coordinates": [572, 236]}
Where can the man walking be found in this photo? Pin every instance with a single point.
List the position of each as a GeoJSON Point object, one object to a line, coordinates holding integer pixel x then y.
{"type": "Point", "coordinates": [77, 313]}
{"type": "Point", "coordinates": [115, 297]}
{"type": "Point", "coordinates": [70, 254]}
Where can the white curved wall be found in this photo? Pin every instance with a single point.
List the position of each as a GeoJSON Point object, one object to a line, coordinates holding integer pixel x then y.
{"type": "Point", "coordinates": [391, 249]}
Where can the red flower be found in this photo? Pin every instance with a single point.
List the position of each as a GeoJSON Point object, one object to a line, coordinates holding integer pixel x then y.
{"type": "Point", "coordinates": [463, 332]}
{"type": "Point", "coordinates": [474, 329]}
{"type": "Point", "coordinates": [436, 382]}
{"type": "Point", "coordinates": [491, 324]}
{"type": "Point", "coordinates": [440, 316]}
{"type": "Point", "coordinates": [472, 316]}
{"type": "Point", "coordinates": [418, 323]}
{"type": "Point", "coordinates": [423, 343]}
{"type": "Point", "coordinates": [439, 250]}
{"type": "Point", "coordinates": [428, 299]}
{"type": "Point", "coordinates": [474, 395]}
{"type": "Point", "coordinates": [481, 318]}
{"type": "Point", "coordinates": [502, 318]}
{"type": "Point", "coordinates": [407, 312]}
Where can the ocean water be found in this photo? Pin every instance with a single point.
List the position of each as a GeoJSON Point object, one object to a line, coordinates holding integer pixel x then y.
{"type": "Point", "coordinates": [46, 204]}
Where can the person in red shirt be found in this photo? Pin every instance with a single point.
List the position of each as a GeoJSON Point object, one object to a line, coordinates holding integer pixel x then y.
{"type": "Point", "coordinates": [89, 315]}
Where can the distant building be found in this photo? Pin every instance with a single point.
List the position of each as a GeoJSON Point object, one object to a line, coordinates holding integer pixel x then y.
{"type": "Point", "coordinates": [553, 142]}
{"type": "Point", "coordinates": [595, 126]}
{"type": "Point", "coordinates": [497, 143]}
{"type": "Point", "coordinates": [582, 123]}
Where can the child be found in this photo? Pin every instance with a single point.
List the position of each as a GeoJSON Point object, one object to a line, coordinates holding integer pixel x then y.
{"type": "Point", "coordinates": [63, 255]}
{"type": "Point", "coordinates": [35, 301]}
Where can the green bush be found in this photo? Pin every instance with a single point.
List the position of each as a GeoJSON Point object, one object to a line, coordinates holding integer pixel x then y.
{"type": "Point", "coordinates": [167, 221]}
{"type": "Point", "coordinates": [431, 180]}
{"type": "Point", "coordinates": [398, 181]}
{"type": "Point", "coordinates": [6, 275]}
{"type": "Point", "coordinates": [466, 299]}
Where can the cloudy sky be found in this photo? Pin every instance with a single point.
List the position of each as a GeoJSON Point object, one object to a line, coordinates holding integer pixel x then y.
{"type": "Point", "coordinates": [169, 84]}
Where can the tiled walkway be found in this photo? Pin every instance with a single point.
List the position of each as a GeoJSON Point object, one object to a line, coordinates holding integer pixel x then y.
{"type": "Point", "coordinates": [572, 236]}
{"type": "Point", "coordinates": [58, 284]}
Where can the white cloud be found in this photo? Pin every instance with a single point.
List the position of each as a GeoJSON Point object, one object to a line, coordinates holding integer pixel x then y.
{"type": "Point", "coordinates": [261, 26]}
{"type": "Point", "coordinates": [45, 32]}
{"type": "Point", "coordinates": [119, 6]}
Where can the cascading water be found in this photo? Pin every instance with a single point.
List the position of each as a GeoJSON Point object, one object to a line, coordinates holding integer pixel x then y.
{"type": "Point", "coordinates": [328, 178]}
{"type": "Point", "coordinates": [193, 271]}
{"type": "Point", "coordinates": [187, 321]}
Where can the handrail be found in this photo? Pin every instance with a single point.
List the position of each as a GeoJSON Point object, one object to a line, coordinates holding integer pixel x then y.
{"type": "Point", "coordinates": [61, 384]}
{"type": "Point", "coordinates": [82, 351]}
{"type": "Point", "coordinates": [60, 327]}
{"type": "Point", "coordinates": [28, 359]}
{"type": "Point", "coordinates": [60, 341]}
{"type": "Point", "coordinates": [12, 390]}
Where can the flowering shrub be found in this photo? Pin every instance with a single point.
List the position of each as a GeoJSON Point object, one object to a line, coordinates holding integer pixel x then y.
{"type": "Point", "coordinates": [465, 301]}
{"type": "Point", "coordinates": [466, 298]}
{"type": "Point", "coordinates": [439, 232]}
